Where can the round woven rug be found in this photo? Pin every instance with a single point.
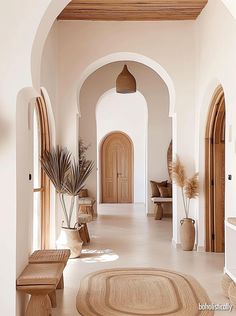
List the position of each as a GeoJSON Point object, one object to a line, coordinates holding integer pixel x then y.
{"type": "Point", "coordinates": [140, 292]}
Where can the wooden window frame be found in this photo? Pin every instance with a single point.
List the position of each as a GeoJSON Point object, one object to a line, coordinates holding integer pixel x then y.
{"type": "Point", "coordinates": [44, 189]}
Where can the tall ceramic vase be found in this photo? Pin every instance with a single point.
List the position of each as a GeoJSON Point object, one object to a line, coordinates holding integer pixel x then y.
{"type": "Point", "coordinates": [70, 239]}
{"type": "Point", "coordinates": [187, 233]}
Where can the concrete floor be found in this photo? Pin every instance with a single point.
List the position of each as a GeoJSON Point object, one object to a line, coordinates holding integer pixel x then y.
{"type": "Point", "coordinates": [123, 236]}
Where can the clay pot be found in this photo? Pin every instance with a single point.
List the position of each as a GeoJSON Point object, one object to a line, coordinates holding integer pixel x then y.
{"type": "Point", "coordinates": [232, 294]}
{"type": "Point", "coordinates": [225, 284]}
{"type": "Point", "coordinates": [70, 239]}
{"type": "Point", "coordinates": [187, 233]}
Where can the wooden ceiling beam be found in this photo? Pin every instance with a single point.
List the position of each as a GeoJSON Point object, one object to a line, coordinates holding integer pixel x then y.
{"type": "Point", "coordinates": [133, 10]}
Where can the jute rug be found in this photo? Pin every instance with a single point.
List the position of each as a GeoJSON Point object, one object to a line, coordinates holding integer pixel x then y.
{"type": "Point", "coordinates": [140, 292]}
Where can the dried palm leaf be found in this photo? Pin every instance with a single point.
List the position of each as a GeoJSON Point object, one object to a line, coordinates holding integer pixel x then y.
{"type": "Point", "coordinates": [77, 176]}
{"type": "Point", "coordinates": [56, 163]}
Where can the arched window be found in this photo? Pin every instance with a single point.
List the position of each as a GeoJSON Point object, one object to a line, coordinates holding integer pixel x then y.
{"type": "Point", "coordinates": [41, 142]}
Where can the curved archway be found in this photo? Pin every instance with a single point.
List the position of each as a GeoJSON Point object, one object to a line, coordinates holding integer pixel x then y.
{"type": "Point", "coordinates": [48, 18]}
{"type": "Point", "coordinates": [215, 173]}
{"type": "Point", "coordinates": [129, 56]}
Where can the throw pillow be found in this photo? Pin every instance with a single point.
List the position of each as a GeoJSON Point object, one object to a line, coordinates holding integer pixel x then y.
{"type": "Point", "coordinates": [164, 192]}
{"type": "Point", "coordinates": [155, 187]}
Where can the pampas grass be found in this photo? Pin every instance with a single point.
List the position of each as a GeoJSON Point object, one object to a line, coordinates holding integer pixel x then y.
{"type": "Point", "coordinates": [189, 186]}
{"type": "Point", "coordinates": [178, 172]}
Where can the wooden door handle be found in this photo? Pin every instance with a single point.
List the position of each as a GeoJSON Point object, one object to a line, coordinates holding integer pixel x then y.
{"type": "Point", "coordinates": [119, 174]}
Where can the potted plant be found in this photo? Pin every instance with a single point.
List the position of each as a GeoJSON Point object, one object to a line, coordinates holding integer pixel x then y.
{"type": "Point", "coordinates": [68, 177]}
{"type": "Point", "coordinates": [190, 190]}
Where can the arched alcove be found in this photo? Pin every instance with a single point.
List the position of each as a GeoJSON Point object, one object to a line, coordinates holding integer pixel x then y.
{"type": "Point", "coordinates": [129, 56]}
{"type": "Point", "coordinates": [156, 95]}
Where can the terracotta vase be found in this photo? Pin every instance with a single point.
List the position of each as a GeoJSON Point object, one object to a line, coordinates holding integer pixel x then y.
{"type": "Point", "coordinates": [70, 239]}
{"type": "Point", "coordinates": [187, 233]}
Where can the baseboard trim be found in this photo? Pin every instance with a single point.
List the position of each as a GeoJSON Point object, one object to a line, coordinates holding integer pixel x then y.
{"type": "Point", "coordinates": [201, 249]}
{"type": "Point", "coordinates": [175, 244]}
{"type": "Point", "coordinates": [178, 245]}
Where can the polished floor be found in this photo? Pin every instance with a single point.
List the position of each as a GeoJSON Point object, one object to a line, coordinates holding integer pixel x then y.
{"type": "Point", "coordinates": [123, 236]}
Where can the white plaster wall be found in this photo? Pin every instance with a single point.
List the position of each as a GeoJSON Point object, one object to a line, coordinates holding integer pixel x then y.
{"type": "Point", "coordinates": [49, 67]}
{"type": "Point", "coordinates": [19, 23]}
{"type": "Point", "coordinates": [231, 6]}
{"type": "Point", "coordinates": [216, 42]}
{"type": "Point", "coordinates": [125, 113]}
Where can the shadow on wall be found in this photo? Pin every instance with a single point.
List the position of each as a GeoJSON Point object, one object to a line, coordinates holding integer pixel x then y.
{"type": "Point", "coordinates": [5, 131]}
{"type": "Point", "coordinates": [24, 162]}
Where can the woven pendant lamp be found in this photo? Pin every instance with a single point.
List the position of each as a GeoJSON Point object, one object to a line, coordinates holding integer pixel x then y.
{"type": "Point", "coordinates": [125, 82]}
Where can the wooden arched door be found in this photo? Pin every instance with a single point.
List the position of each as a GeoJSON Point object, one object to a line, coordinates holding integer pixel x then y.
{"type": "Point", "coordinates": [117, 169]}
{"type": "Point", "coordinates": [215, 174]}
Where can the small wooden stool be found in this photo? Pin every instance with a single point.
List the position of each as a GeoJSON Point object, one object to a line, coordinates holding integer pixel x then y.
{"type": "Point", "coordinates": [83, 219]}
{"type": "Point", "coordinates": [39, 280]}
{"type": "Point", "coordinates": [86, 206]}
{"type": "Point", "coordinates": [51, 256]}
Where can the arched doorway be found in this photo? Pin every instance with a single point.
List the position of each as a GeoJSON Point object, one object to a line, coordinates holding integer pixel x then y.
{"type": "Point", "coordinates": [215, 174]}
{"type": "Point", "coordinates": [117, 169]}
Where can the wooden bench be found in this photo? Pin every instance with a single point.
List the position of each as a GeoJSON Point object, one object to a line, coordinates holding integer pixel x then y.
{"type": "Point", "coordinates": [39, 280]}
{"type": "Point", "coordinates": [51, 256]}
{"type": "Point", "coordinates": [158, 208]}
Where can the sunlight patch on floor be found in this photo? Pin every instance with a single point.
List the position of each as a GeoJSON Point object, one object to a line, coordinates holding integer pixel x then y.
{"type": "Point", "coordinates": [95, 255]}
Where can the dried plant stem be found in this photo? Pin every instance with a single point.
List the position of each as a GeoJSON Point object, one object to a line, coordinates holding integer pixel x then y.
{"type": "Point", "coordinates": [63, 204]}
{"type": "Point", "coordinates": [184, 202]}
{"type": "Point", "coordinates": [188, 206]}
{"type": "Point", "coordinates": [71, 208]}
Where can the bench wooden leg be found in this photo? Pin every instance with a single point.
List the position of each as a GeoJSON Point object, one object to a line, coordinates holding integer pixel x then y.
{"type": "Point", "coordinates": [39, 305]}
{"type": "Point", "coordinates": [60, 285]}
{"type": "Point", "coordinates": [158, 211]}
{"type": "Point", "coordinates": [53, 299]}
{"type": "Point", "coordinates": [84, 234]}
